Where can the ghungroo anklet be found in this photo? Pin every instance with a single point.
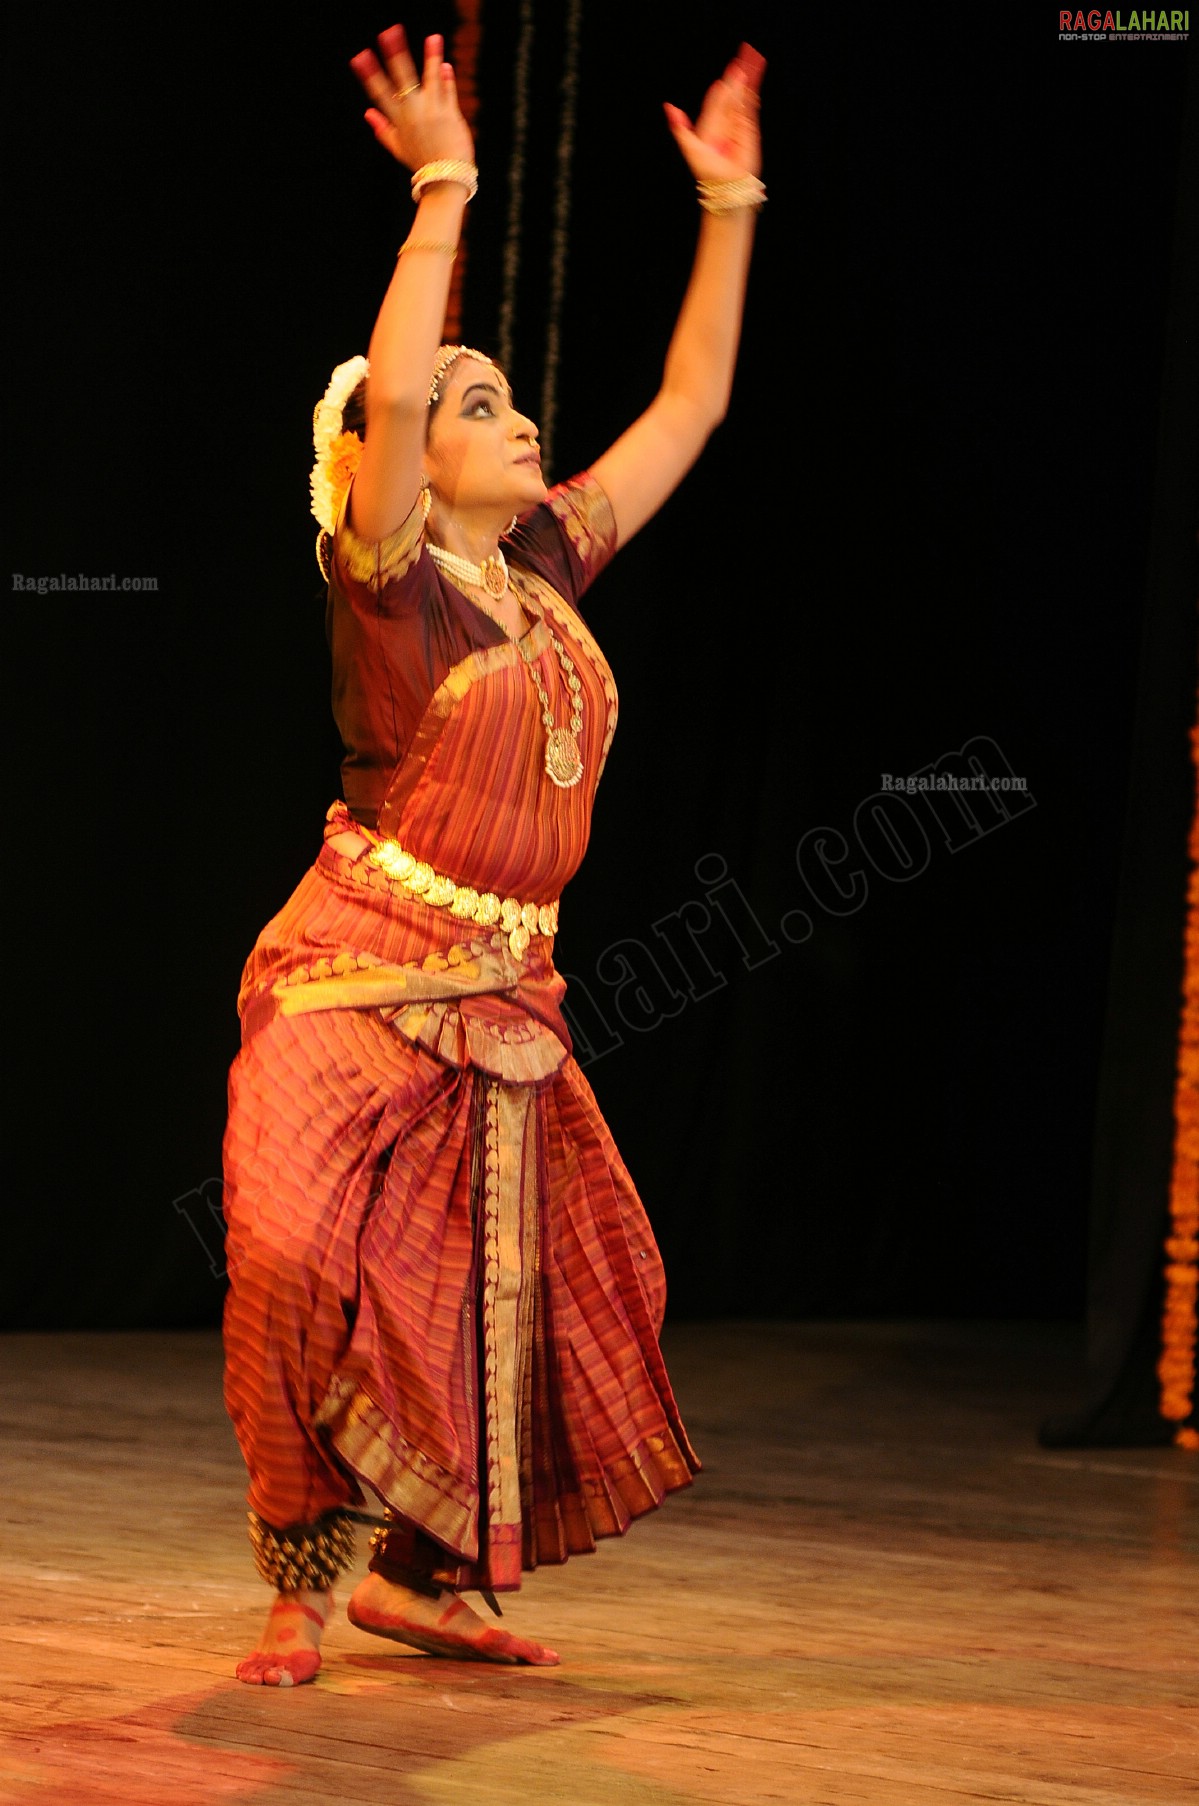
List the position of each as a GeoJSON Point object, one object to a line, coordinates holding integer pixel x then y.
{"type": "Point", "coordinates": [303, 1555]}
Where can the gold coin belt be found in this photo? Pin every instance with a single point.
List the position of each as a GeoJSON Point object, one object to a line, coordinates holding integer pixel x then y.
{"type": "Point", "coordinates": [519, 921]}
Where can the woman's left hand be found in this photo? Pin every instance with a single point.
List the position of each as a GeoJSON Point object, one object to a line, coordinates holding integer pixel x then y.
{"type": "Point", "coordinates": [725, 141]}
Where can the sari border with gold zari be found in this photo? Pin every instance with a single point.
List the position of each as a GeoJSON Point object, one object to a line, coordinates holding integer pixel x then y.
{"type": "Point", "coordinates": [414, 1486]}
{"type": "Point", "coordinates": [510, 1225]}
{"type": "Point", "coordinates": [439, 711]}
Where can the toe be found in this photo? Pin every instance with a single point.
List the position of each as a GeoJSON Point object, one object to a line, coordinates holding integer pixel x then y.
{"type": "Point", "coordinates": [501, 1645]}
{"type": "Point", "coordinates": [261, 1670]}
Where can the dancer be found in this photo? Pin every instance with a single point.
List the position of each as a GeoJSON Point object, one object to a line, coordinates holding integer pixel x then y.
{"type": "Point", "coordinates": [445, 1297]}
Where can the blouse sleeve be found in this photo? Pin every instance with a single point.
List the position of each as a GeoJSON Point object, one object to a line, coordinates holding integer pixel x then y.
{"type": "Point", "coordinates": [570, 538]}
{"type": "Point", "coordinates": [376, 565]}
{"type": "Point", "coordinates": [391, 644]}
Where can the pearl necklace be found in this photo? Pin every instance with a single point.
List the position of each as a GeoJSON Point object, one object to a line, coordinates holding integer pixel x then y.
{"type": "Point", "coordinates": [491, 575]}
{"type": "Point", "coordinates": [563, 758]}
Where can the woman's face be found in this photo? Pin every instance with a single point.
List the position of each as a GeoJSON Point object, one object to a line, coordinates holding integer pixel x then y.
{"type": "Point", "coordinates": [481, 452]}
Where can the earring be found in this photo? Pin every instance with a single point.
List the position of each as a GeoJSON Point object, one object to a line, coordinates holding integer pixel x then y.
{"type": "Point", "coordinates": [426, 497]}
{"type": "Point", "coordinates": [511, 524]}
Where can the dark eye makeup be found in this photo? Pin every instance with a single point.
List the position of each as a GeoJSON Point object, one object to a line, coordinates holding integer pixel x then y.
{"type": "Point", "coordinates": [483, 395]}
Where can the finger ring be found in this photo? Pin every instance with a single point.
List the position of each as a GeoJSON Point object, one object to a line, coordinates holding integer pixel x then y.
{"type": "Point", "coordinates": [403, 93]}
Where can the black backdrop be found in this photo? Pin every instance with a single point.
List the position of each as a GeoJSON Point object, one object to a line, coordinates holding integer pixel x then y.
{"type": "Point", "coordinates": [926, 523]}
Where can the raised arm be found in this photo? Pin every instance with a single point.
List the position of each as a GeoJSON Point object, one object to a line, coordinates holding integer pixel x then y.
{"type": "Point", "coordinates": [416, 116]}
{"type": "Point", "coordinates": [723, 151]}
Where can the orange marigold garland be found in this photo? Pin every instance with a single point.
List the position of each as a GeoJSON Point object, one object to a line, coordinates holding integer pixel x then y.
{"type": "Point", "coordinates": [345, 453]}
{"type": "Point", "coordinates": [1176, 1365]}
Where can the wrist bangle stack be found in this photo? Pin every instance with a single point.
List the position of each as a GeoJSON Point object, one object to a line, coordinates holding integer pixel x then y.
{"type": "Point", "coordinates": [448, 169]}
{"type": "Point", "coordinates": [733, 196]}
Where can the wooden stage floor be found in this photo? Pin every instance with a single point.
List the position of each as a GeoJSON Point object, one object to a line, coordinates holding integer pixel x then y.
{"type": "Point", "coordinates": [881, 1591]}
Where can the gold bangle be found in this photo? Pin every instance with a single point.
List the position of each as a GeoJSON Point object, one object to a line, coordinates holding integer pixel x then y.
{"type": "Point", "coordinates": [446, 169]}
{"type": "Point", "coordinates": [428, 244]}
{"type": "Point", "coordinates": [732, 196]}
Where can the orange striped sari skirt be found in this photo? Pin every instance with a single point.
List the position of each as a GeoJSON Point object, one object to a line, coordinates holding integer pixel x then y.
{"type": "Point", "coordinates": [443, 1287]}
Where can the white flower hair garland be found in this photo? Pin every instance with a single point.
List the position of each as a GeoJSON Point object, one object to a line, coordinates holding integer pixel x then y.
{"type": "Point", "coordinates": [336, 451]}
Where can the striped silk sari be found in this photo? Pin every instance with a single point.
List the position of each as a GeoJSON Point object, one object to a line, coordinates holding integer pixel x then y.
{"type": "Point", "coordinates": [443, 1286]}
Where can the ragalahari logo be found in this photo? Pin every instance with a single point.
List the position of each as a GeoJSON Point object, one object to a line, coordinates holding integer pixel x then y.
{"type": "Point", "coordinates": [1096, 27]}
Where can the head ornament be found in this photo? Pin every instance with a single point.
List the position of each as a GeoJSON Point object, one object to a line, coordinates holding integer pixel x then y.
{"type": "Point", "coordinates": [444, 362]}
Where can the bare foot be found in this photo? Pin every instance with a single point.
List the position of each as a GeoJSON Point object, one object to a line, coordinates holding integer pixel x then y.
{"type": "Point", "coordinates": [441, 1627]}
{"type": "Point", "coordinates": [289, 1650]}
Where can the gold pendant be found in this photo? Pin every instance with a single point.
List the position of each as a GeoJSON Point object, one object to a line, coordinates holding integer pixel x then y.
{"type": "Point", "coordinates": [563, 760]}
{"type": "Point", "coordinates": [494, 577]}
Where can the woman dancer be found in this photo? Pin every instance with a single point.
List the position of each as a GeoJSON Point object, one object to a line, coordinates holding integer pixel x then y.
{"type": "Point", "coordinates": [443, 1288]}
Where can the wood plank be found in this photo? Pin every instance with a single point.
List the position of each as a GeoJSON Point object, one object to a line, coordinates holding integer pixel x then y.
{"type": "Point", "coordinates": [879, 1591]}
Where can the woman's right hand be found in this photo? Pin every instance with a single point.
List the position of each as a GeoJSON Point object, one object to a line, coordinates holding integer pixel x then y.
{"type": "Point", "coordinates": [414, 115]}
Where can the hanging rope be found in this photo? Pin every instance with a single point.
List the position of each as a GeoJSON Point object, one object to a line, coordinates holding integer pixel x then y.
{"type": "Point", "coordinates": [562, 188]}
{"type": "Point", "coordinates": [516, 183]}
{"type": "Point", "coordinates": [464, 55]}
{"type": "Point", "coordinates": [1176, 1364]}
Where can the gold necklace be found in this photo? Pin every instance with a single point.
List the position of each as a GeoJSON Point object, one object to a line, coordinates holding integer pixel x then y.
{"type": "Point", "coordinates": [563, 757]}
